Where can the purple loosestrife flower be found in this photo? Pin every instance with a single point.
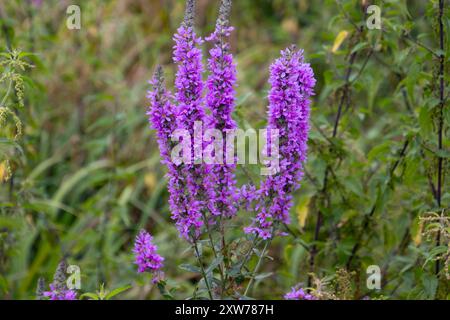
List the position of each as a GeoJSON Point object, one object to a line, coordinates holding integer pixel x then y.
{"type": "Point", "coordinates": [58, 288]}
{"type": "Point", "coordinates": [147, 258]}
{"type": "Point", "coordinates": [188, 81]}
{"type": "Point", "coordinates": [162, 115]}
{"type": "Point", "coordinates": [220, 100]}
{"type": "Point", "coordinates": [299, 294]}
{"type": "Point", "coordinates": [58, 294]}
{"type": "Point", "coordinates": [292, 82]}
{"type": "Point", "coordinates": [40, 289]}
{"type": "Point", "coordinates": [189, 90]}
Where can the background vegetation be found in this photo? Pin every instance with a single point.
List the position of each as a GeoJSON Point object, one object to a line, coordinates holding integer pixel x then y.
{"type": "Point", "coordinates": [80, 168]}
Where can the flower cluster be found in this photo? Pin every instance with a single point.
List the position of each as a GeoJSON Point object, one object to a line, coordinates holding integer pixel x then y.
{"type": "Point", "coordinates": [200, 192]}
{"type": "Point", "coordinates": [190, 110]}
{"type": "Point", "coordinates": [298, 294]}
{"type": "Point", "coordinates": [147, 258]}
{"type": "Point", "coordinates": [162, 115]}
{"type": "Point", "coordinates": [220, 100]}
{"type": "Point", "coordinates": [58, 288]}
{"type": "Point", "coordinates": [64, 294]}
{"type": "Point", "coordinates": [292, 81]}
{"type": "Point", "coordinates": [196, 189]}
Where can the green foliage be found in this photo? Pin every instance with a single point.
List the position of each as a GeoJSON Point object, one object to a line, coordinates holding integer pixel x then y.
{"type": "Point", "coordinates": [104, 294]}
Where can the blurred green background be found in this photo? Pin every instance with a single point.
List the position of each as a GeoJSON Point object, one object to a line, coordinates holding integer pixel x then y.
{"type": "Point", "coordinates": [86, 174]}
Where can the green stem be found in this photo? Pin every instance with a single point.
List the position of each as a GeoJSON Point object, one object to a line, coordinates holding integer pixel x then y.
{"type": "Point", "coordinates": [211, 241]}
{"type": "Point", "coordinates": [441, 118]}
{"type": "Point", "coordinates": [223, 266]}
{"type": "Point", "coordinates": [250, 283]}
{"type": "Point", "coordinates": [247, 256]}
{"type": "Point", "coordinates": [203, 270]}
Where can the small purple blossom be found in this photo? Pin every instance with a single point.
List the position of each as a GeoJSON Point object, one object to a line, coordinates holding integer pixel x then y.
{"type": "Point", "coordinates": [147, 258]}
{"type": "Point", "coordinates": [299, 294]}
{"type": "Point", "coordinates": [60, 294]}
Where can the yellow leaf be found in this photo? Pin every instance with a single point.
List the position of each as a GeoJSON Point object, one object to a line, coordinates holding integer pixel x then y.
{"type": "Point", "coordinates": [418, 236]}
{"type": "Point", "coordinates": [302, 212]}
{"type": "Point", "coordinates": [2, 171]}
{"type": "Point", "coordinates": [338, 41]}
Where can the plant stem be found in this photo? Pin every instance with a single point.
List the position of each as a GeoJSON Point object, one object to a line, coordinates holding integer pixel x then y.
{"type": "Point", "coordinates": [368, 216]}
{"type": "Point", "coordinates": [211, 241]}
{"type": "Point", "coordinates": [408, 37]}
{"type": "Point", "coordinates": [441, 118]}
{"type": "Point", "coordinates": [261, 256]}
{"type": "Point", "coordinates": [223, 272]}
{"type": "Point", "coordinates": [319, 219]}
{"type": "Point", "coordinates": [203, 270]}
{"type": "Point", "coordinates": [247, 256]}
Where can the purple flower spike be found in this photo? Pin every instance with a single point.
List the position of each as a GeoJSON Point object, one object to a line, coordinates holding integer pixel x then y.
{"type": "Point", "coordinates": [147, 258]}
{"type": "Point", "coordinates": [220, 100]}
{"type": "Point", "coordinates": [189, 95]}
{"type": "Point", "coordinates": [162, 115]}
{"type": "Point", "coordinates": [58, 288]}
{"type": "Point", "coordinates": [292, 82]}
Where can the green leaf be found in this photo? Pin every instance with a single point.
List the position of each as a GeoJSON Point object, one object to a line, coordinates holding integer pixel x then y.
{"type": "Point", "coordinates": [214, 264]}
{"type": "Point", "coordinates": [359, 47]}
{"type": "Point", "coordinates": [430, 284]}
{"type": "Point", "coordinates": [425, 121]}
{"type": "Point", "coordinates": [190, 268]}
{"type": "Point", "coordinates": [117, 291]}
{"type": "Point", "coordinates": [381, 149]}
{"type": "Point", "coordinates": [90, 295]}
{"type": "Point", "coordinates": [262, 276]}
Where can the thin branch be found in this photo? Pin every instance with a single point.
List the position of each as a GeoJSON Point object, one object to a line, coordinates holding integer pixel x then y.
{"type": "Point", "coordinates": [368, 216]}
{"type": "Point", "coordinates": [408, 37]}
{"type": "Point", "coordinates": [441, 117]}
{"type": "Point", "coordinates": [197, 253]}
{"type": "Point", "coordinates": [345, 93]}
{"type": "Point", "coordinates": [349, 19]}
{"type": "Point", "coordinates": [363, 66]}
{"type": "Point", "coordinates": [319, 219]}
{"type": "Point", "coordinates": [252, 278]}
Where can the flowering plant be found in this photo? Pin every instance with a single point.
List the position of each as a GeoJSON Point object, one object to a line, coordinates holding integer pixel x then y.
{"type": "Point", "coordinates": [204, 197]}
